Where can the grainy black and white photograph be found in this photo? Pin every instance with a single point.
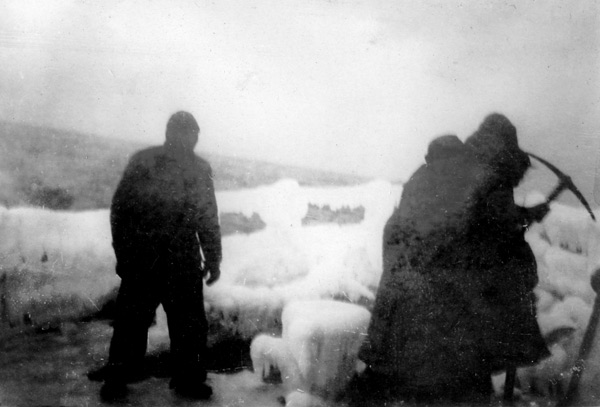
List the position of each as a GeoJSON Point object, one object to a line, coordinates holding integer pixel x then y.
{"type": "Point", "coordinates": [303, 203]}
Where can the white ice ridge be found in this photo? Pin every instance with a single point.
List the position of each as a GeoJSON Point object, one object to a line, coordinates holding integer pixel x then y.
{"type": "Point", "coordinates": [57, 265]}
{"type": "Point", "coordinates": [54, 265]}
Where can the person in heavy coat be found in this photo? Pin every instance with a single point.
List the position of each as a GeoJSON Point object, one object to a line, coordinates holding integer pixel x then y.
{"type": "Point", "coordinates": [498, 247]}
{"type": "Point", "coordinates": [455, 300]}
{"type": "Point", "coordinates": [166, 238]}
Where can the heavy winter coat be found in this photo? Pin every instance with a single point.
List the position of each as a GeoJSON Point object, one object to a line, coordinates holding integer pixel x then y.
{"type": "Point", "coordinates": [163, 216]}
{"type": "Point", "coordinates": [165, 206]}
{"type": "Point", "coordinates": [455, 299]}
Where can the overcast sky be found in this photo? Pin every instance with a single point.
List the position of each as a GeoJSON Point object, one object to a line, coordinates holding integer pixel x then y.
{"type": "Point", "coordinates": [349, 85]}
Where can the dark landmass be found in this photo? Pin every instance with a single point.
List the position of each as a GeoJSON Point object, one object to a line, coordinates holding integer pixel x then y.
{"type": "Point", "coordinates": [61, 169]}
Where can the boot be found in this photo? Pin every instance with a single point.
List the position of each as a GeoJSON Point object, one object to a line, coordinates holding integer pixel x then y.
{"type": "Point", "coordinates": [189, 390]}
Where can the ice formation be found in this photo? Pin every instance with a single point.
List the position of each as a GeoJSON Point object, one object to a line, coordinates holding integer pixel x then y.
{"type": "Point", "coordinates": [566, 246]}
{"type": "Point", "coordinates": [271, 355]}
{"type": "Point", "coordinates": [285, 262]}
{"type": "Point", "coordinates": [324, 338]}
{"type": "Point", "coordinates": [53, 265]}
{"type": "Point", "coordinates": [58, 265]}
{"type": "Point", "coordinates": [317, 351]}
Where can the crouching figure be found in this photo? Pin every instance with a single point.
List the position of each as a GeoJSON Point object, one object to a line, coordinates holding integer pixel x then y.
{"type": "Point", "coordinates": [455, 301]}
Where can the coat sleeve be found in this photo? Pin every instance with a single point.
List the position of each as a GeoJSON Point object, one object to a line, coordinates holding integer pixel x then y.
{"type": "Point", "coordinates": [122, 207]}
{"type": "Point", "coordinates": [209, 230]}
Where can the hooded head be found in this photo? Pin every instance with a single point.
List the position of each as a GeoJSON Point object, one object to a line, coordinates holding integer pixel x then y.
{"type": "Point", "coordinates": [182, 133]}
{"type": "Point", "coordinates": [495, 144]}
{"type": "Point", "coordinates": [444, 147]}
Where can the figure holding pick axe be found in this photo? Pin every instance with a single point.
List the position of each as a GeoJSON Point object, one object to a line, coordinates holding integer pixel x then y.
{"type": "Point", "coordinates": [455, 302]}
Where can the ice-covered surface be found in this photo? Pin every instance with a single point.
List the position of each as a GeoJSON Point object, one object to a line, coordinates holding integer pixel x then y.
{"type": "Point", "coordinates": [53, 265]}
{"type": "Point", "coordinates": [56, 264]}
{"type": "Point", "coordinates": [566, 246]}
{"type": "Point", "coordinates": [323, 338]}
{"type": "Point", "coordinates": [285, 261]}
{"type": "Point", "coordinates": [60, 265]}
{"type": "Point", "coordinates": [317, 352]}
{"type": "Point", "coordinates": [50, 370]}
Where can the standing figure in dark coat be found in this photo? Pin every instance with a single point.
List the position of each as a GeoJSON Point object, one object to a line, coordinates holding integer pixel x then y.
{"type": "Point", "coordinates": [166, 238]}
{"type": "Point", "coordinates": [455, 300]}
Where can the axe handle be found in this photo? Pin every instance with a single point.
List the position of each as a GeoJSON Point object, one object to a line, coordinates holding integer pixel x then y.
{"type": "Point", "coordinates": [562, 185]}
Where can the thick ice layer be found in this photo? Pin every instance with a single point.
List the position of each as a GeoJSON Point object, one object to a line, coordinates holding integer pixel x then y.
{"type": "Point", "coordinates": [567, 249]}
{"type": "Point", "coordinates": [53, 265]}
{"type": "Point", "coordinates": [271, 355]}
{"type": "Point", "coordinates": [58, 265]}
{"type": "Point", "coordinates": [317, 352]}
{"type": "Point", "coordinates": [274, 267]}
{"type": "Point", "coordinates": [324, 338]}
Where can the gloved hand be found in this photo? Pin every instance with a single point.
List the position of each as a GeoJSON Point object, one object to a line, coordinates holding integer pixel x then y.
{"type": "Point", "coordinates": [213, 273]}
{"type": "Point", "coordinates": [538, 213]}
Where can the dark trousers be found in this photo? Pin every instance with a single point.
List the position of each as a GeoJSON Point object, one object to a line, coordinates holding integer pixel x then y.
{"type": "Point", "coordinates": [180, 293]}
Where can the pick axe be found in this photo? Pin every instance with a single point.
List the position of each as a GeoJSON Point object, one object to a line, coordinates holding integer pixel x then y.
{"type": "Point", "coordinates": [565, 182]}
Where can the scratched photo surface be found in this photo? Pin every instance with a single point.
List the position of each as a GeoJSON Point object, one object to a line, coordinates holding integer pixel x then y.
{"type": "Point", "coordinates": [406, 194]}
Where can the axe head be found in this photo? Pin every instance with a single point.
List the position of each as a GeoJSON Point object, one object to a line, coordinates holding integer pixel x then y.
{"type": "Point", "coordinates": [565, 182]}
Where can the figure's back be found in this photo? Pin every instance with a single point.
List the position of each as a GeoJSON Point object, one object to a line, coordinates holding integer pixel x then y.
{"type": "Point", "coordinates": [159, 198]}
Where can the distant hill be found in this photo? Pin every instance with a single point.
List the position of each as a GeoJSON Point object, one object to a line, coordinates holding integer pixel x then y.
{"type": "Point", "coordinates": [64, 169]}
